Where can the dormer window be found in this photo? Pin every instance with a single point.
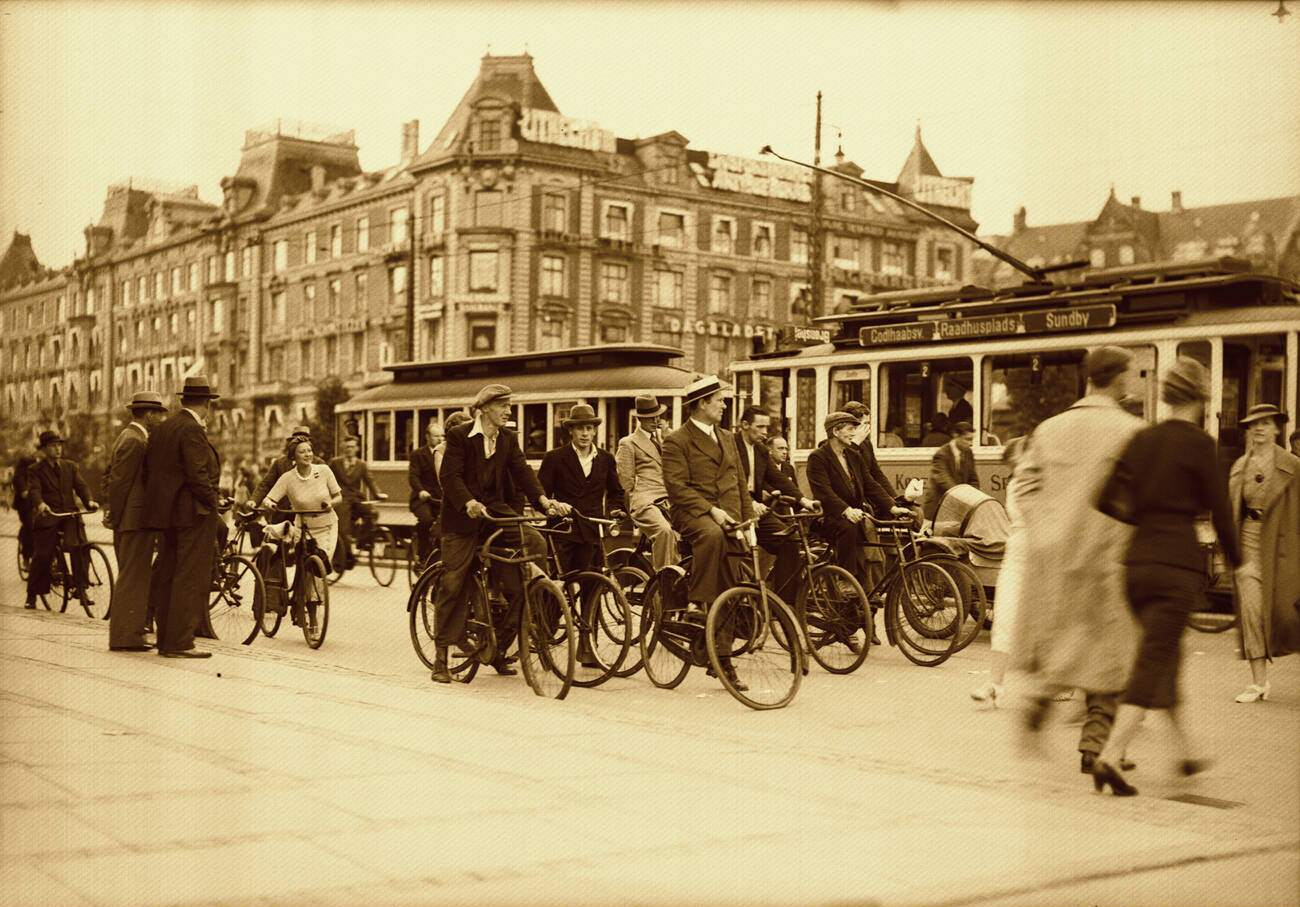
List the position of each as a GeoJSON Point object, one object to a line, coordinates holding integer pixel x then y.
{"type": "Point", "coordinates": [489, 134]}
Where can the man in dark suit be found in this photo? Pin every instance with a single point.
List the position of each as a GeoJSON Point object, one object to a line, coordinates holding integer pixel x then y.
{"type": "Point", "coordinates": [353, 476]}
{"type": "Point", "coordinates": [53, 486]}
{"type": "Point", "coordinates": [953, 465]}
{"type": "Point", "coordinates": [483, 469]}
{"type": "Point", "coordinates": [763, 478]}
{"type": "Point", "coordinates": [779, 450]}
{"type": "Point", "coordinates": [181, 501]}
{"type": "Point", "coordinates": [133, 544]}
{"type": "Point", "coordinates": [23, 503]}
{"type": "Point", "coordinates": [426, 491]}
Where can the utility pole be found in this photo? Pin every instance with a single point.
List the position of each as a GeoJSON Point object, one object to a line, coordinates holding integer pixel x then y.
{"type": "Point", "coordinates": [412, 221]}
{"type": "Point", "coordinates": [816, 238]}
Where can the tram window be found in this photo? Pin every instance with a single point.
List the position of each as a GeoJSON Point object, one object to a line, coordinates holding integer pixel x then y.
{"type": "Point", "coordinates": [383, 436]}
{"type": "Point", "coordinates": [560, 412]}
{"type": "Point", "coordinates": [426, 417]}
{"type": "Point", "coordinates": [534, 430]}
{"type": "Point", "coordinates": [773, 389]}
{"type": "Point", "coordinates": [1253, 372]}
{"type": "Point", "coordinates": [918, 399]}
{"type": "Point", "coordinates": [402, 434]}
{"type": "Point", "coordinates": [1022, 390]}
{"type": "Point", "coordinates": [1200, 351]}
{"type": "Point", "coordinates": [849, 384]}
{"type": "Point", "coordinates": [805, 392]}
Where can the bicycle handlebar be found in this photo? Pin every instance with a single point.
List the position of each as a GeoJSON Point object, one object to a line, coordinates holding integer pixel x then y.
{"type": "Point", "coordinates": [60, 515]}
{"type": "Point", "coordinates": [374, 501]}
{"type": "Point", "coordinates": [888, 524]}
{"type": "Point", "coordinates": [512, 520]}
{"type": "Point", "coordinates": [325, 509]}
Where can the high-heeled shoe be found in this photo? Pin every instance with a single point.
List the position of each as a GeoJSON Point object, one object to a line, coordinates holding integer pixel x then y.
{"type": "Point", "coordinates": [1255, 693]}
{"type": "Point", "coordinates": [1103, 773]}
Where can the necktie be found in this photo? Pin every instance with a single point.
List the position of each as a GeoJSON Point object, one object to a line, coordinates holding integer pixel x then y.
{"type": "Point", "coordinates": [654, 436]}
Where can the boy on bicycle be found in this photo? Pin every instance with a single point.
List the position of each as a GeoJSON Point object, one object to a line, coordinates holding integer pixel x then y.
{"type": "Point", "coordinates": [54, 485]}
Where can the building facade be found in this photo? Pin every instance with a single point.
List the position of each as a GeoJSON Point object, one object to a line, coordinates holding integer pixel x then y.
{"type": "Point", "coordinates": [515, 229]}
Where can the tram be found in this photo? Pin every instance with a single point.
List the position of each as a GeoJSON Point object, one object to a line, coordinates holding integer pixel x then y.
{"type": "Point", "coordinates": [391, 419]}
{"type": "Point", "coordinates": [1005, 360]}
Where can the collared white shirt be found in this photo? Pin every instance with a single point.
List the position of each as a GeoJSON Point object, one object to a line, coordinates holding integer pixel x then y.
{"type": "Point", "coordinates": [586, 461]}
{"type": "Point", "coordinates": [197, 418]}
{"type": "Point", "coordinates": [489, 443]}
{"type": "Point", "coordinates": [749, 456]}
{"type": "Point", "coordinates": [142, 428]}
{"type": "Point", "coordinates": [707, 429]}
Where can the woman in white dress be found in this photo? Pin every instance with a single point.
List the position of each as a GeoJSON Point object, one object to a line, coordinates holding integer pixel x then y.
{"type": "Point", "coordinates": [312, 490]}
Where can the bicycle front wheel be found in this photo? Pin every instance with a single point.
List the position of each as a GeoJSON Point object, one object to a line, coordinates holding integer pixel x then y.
{"type": "Point", "coordinates": [923, 613]}
{"type": "Point", "coordinates": [633, 582]}
{"type": "Point", "coordinates": [604, 621]}
{"type": "Point", "coordinates": [238, 599]}
{"type": "Point", "coordinates": [547, 642]}
{"type": "Point", "coordinates": [315, 593]}
{"type": "Point", "coordinates": [975, 602]}
{"type": "Point", "coordinates": [667, 632]}
{"type": "Point", "coordinates": [838, 619]}
{"type": "Point", "coordinates": [745, 648]}
{"type": "Point", "coordinates": [383, 556]}
{"type": "Point", "coordinates": [98, 592]}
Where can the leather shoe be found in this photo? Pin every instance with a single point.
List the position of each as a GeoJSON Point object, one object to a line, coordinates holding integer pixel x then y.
{"type": "Point", "coordinates": [186, 653]}
{"type": "Point", "coordinates": [30, 606]}
{"type": "Point", "coordinates": [440, 672]}
{"type": "Point", "coordinates": [502, 667]}
{"type": "Point", "coordinates": [143, 647]}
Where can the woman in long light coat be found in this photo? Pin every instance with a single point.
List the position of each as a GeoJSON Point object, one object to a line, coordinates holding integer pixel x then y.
{"type": "Point", "coordinates": [1264, 492]}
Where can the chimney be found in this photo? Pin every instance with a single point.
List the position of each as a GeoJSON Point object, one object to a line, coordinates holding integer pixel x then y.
{"type": "Point", "coordinates": [317, 178]}
{"type": "Point", "coordinates": [1019, 226]}
{"type": "Point", "coordinates": [410, 140]}
{"type": "Point", "coordinates": [1137, 202]}
{"type": "Point", "coordinates": [1176, 201]}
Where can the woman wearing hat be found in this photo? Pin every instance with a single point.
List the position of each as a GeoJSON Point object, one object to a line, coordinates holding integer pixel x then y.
{"type": "Point", "coordinates": [1264, 489]}
{"type": "Point", "coordinates": [1177, 463]}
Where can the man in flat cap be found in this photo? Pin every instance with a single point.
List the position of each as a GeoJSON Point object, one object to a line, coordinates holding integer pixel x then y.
{"type": "Point", "coordinates": [54, 485]}
{"type": "Point", "coordinates": [181, 502]}
{"type": "Point", "coordinates": [133, 544]}
{"type": "Point", "coordinates": [1080, 633]}
{"type": "Point", "coordinates": [483, 469]}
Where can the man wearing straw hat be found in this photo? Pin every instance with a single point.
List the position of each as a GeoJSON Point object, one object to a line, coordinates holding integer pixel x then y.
{"type": "Point", "coordinates": [133, 544]}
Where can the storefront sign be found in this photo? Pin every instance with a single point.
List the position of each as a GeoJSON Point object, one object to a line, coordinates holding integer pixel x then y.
{"type": "Point", "coordinates": [713, 328]}
{"type": "Point", "coordinates": [1083, 318]}
{"type": "Point", "coordinates": [805, 336]}
{"type": "Point", "coordinates": [549, 128]}
{"type": "Point", "coordinates": [765, 178]}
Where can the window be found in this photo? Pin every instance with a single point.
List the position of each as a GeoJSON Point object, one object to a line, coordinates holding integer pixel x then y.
{"type": "Point", "coordinates": [90, 301]}
{"type": "Point", "coordinates": [533, 430]}
{"type": "Point", "coordinates": [945, 263]}
{"type": "Point", "coordinates": [618, 219]}
{"type": "Point", "coordinates": [438, 215]}
{"type": "Point", "coordinates": [760, 299]}
{"type": "Point", "coordinates": [613, 282]}
{"type": "Point", "coordinates": [437, 276]}
{"type": "Point", "coordinates": [724, 235]}
{"type": "Point", "coordinates": [309, 247]}
{"type": "Point", "coordinates": [488, 208]}
{"type": "Point", "coordinates": [763, 240]}
{"type": "Point", "coordinates": [335, 293]}
{"type": "Point", "coordinates": [382, 435]}
{"type": "Point", "coordinates": [177, 287]}
{"type": "Point", "coordinates": [551, 332]}
{"type": "Point", "coordinates": [489, 134]}
{"type": "Point", "coordinates": [362, 288]}
{"type": "Point", "coordinates": [483, 271]}
{"type": "Point", "coordinates": [126, 293]}
{"type": "Point", "coordinates": [214, 270]}
{"type": "Point", "coordinates": [281, 255]}
{"type": "Point", "coordinates": [190, 316]}
{"type": "Point", "coordinates": [720, 293]}
{"type": "Point", "coordinates": [336, 241]}
{"type": "Point", "coordinates": [304, 358]}
{"type": "Point", "coordinates": [363, 234]}
{"type": "Point", "coordinates": [174, 323]}
{"type": "Point", "coordinates": [142, 287]}
{"type": "Point", "coordinates": [844, 252]}
{"type": "Point", "coordinates": [555, 212]}
{"type": "Point", "coordinates": [397, 218]}
{"type": "Point", "coordinates": [553, 283]}
{"type": "Point", "coordinates": [275, 364]}
{"type": "Point", "coordinates": [359, 351]}
{"type": "Point", "coordinates": [717, 355]}
{"type": "Point", "coordinates": [158, 285]}
{"type": "Point", "coordinates": [193, 283]}
{"type": "Point", "coordinates": [157, 326]}
{"type": "Point", "coordinates": [849, 202]}
{"type": "Point", "coordinates": [247, 262]}
{"type": "Point", "coordinates": [916, 398]}
{"type": "Point", "coordinates": [482, 336]}
{"type": "Point", "coordinates": [672, 230]}
{"type": "Point", "coordinates": [309, 313]}
{"type": "Point", "coordinates": [1097, 257]}
{"type": "Point", "coordinates": [613, 332]}
{"type": "Point", "coordinates": [668, 289]}
{"type": "Point", "coordinates": [892, 258]}
{"type": "Point", "coordinates": [230, 266]}
{"type": "Point", "coordinates": [849, 384]}
{"type": "Point", "coordinates": [279, 312]}
{"type": "Point", "coordinates": [1126, 254]}
{"type": "Point", "coordinates": [397, 281]}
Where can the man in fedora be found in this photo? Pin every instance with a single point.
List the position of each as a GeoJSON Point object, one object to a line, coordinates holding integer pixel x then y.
{"type": "Point", "coordinates": [54, 485]}
{"type": "Point", "coordinates": [181, 501]}
{"type": "Point", "coordinates": [640, 462]}
{"type": "Point", "coordinates": [483, 470]}
{"type": "Point", "coordinates": [133, 544]}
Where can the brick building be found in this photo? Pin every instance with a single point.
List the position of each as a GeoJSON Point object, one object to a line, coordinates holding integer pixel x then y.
{"type": "Point", "coordinates": [516, 228]}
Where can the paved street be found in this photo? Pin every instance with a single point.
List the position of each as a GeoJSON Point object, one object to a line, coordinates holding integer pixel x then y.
{"type": "Point", "coordinates": [274, 774]}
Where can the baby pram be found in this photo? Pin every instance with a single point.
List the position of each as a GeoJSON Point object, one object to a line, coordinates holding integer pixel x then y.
{"type": "Point", "coordinates": [973, 527]}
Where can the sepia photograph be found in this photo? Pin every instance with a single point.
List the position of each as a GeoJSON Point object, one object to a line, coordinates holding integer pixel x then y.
{"type": "Point", "coordinates": [842, 452]}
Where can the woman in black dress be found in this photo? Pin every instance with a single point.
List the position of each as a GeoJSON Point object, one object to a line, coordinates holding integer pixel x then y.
{"type": "Point", "coordinates": [1167, 476]}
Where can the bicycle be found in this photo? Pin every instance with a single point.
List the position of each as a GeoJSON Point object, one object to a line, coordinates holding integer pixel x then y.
{"type": "Point", "coordinates": [598, 603]}
{"type": "Point", "coordinates": [747, 637]}
{"type": "Point", "coordinates": [377, 541]}
{"type": "Point", "coordinates": [307, 595]}
{"type": "Point", "coordinates": [1214, 621]}
{"type": "Point", "coordinates": [547, 642]}
{"type": "Point", "coordinates": [238, 597]}
{"type": "Point", "coordinates": [99, 572]}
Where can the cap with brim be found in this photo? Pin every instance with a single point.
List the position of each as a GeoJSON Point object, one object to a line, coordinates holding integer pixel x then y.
{"type": "Point", "coordinates": [581, 414]}
{"type": "Point", "coordinates": [857, 409]}
{"type": "Point", "coordinates": [836, 419]}
{"type": "Point", "coordinates": [1105, 363]}
{"type": "Point", "coordinates": [1187, 381]}
{"type": "Point", "coordinates": [196, 387]}
{"type": "Point", "coordinates": [1264, 411]}
{"type": "Point", "coordinates": [146, 400]}
{"type": "Point", "coordinates": [491, 394]}
{"type": "Point", "coordinates": [706, 386]}
{"type": "Point", "coordinates": [49, 437]}
{"type": "Point", "coordinates": [648, 407]}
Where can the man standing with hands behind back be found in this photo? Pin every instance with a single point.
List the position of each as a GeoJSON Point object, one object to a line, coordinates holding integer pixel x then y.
{"type": "Point", "coordinates": [181, 501]}
{"type": "Point", "coordinates": [124, 514]}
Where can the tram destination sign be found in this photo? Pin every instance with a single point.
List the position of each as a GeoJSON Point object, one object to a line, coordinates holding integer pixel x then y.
{"type": "Point", "coordinates": [1048, 321]}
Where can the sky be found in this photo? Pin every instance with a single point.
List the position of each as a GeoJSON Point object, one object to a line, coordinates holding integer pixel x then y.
{"type": "Point", "coordinates": [1046, 105]}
